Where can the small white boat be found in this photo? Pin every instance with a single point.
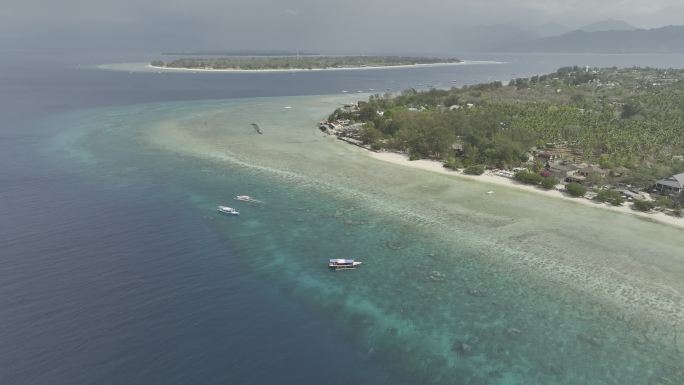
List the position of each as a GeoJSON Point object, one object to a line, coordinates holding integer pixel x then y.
{"type": "Point", "coordinates": [244, 198]}
{"type": "Point", "coordinates": [227, 210]}
{"type": "Point", "coordinates": [343, 264]}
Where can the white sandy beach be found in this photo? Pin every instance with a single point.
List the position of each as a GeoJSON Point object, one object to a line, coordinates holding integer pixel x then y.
{"type": "Point", "coordinates": [146, 67]}
{"type": "Point", "coordinates": [487, 177]}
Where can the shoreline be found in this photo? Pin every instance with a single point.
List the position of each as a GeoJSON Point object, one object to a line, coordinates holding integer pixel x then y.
{"type": "Point", "coordinates": [488, 178]}
{"type": "Point", "coordinates": [146, 67]}
{"type": "Point", "coordinates": [616, 265]}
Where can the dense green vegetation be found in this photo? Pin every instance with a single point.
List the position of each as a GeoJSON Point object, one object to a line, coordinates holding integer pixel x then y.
{"type": "Point", "coordinates": [527, 177]}
{"type": "Point", "coordinates": [549, 182]}
{"type": "Point", "coordinates": [610, 196]}
{"type": "Point", "coordinates": [536, 179]}
{"type": "Point", "coordinates": [575, 189]}
{"type": "Point", "coordinates": [644, 205]}
{"type": "Point", "coordinates": [630, 121]}
{"type": "Point", "coordinates": [475, 169]}
{"type": "Point", "coordinates": [297, 62]}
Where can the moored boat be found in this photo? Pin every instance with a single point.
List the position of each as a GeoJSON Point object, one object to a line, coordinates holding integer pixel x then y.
{"type": "Point", "coordinates": [244, 198]}
{"type": "Point", "coordinates": [227, 210]}
{"type": "Point", "coordinates": [343, 264]}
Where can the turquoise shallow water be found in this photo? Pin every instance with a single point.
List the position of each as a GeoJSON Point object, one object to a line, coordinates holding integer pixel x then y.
{"type": "Point", "coordinates": [437, 300]}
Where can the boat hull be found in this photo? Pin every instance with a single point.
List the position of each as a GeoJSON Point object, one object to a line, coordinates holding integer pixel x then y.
{"type": "Point", "coordinates": [343, 266]}
{"type": "Point", "coordinates": [227, 210]}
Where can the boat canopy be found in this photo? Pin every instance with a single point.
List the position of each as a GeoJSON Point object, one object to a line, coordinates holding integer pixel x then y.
{"type": "Point", "coordinates": [342, 261]}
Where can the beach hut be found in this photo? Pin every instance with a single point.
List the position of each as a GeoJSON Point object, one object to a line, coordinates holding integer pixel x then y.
{"type": "Point", "coordinates": [671, 185]}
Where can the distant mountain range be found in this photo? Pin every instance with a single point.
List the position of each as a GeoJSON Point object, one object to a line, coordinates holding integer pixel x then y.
{"type": "Point", "coordinates": [551, 28]}
{"type": "Point", "coordinates": [658, 40]}
{"type": "Point", "coordinates": [488, 37]}
{"type": "Point", "coordinates": [547, 37]}
{"type": "Point", "coordinates": [608, 25]}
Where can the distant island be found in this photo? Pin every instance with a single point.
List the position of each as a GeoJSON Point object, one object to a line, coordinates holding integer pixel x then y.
{"type": "Point", "coordinates": [298, 62]}
{"type": "Point", "coordinates": [241, 53]}
{"type": "Point", "coordinates": [668, 39]}
{"type": "Point", "coordinates": [611, 134]}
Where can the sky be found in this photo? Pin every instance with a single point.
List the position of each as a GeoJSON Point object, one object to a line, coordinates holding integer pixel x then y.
{"type": "Point", "coordinates": [347, 26]}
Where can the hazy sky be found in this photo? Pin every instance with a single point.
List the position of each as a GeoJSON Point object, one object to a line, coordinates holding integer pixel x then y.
{"type": "Point", "coordinates": [347, 25]}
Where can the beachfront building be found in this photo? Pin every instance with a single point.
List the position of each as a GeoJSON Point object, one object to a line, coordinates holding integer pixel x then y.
{"type": "Point", "coordinates": [561, 169]}
{"type": "Point", "coordinates": [671, 185]}
{"type": "Point", "coordinates": [592, 169]}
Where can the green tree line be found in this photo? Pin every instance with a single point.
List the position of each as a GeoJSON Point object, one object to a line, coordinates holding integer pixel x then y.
{"type": "Point", "coordinates": [631, 118]}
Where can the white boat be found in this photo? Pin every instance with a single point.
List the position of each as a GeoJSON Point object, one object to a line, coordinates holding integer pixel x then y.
{"type": "Point", "coordinates": [227, 210]}
{"type": "Point", "coordinates": [343, 264]}
{"type": "Point", "coordinates": [244, 198]}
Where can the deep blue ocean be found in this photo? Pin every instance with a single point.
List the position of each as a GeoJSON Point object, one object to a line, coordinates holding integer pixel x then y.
{"type": "Point", "coordinates": [106, 279]}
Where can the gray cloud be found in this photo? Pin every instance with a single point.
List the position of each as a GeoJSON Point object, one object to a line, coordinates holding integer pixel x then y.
{"type": "Point", "coordinates": [350, 25]}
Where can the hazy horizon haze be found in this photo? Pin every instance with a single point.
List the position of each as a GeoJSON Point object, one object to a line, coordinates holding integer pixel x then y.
{"type": "Point", "coordinates": [353, 26]}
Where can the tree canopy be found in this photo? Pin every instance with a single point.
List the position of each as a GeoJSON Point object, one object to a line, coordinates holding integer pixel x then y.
{"type": "Point", "coordinates": [622, 118]}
